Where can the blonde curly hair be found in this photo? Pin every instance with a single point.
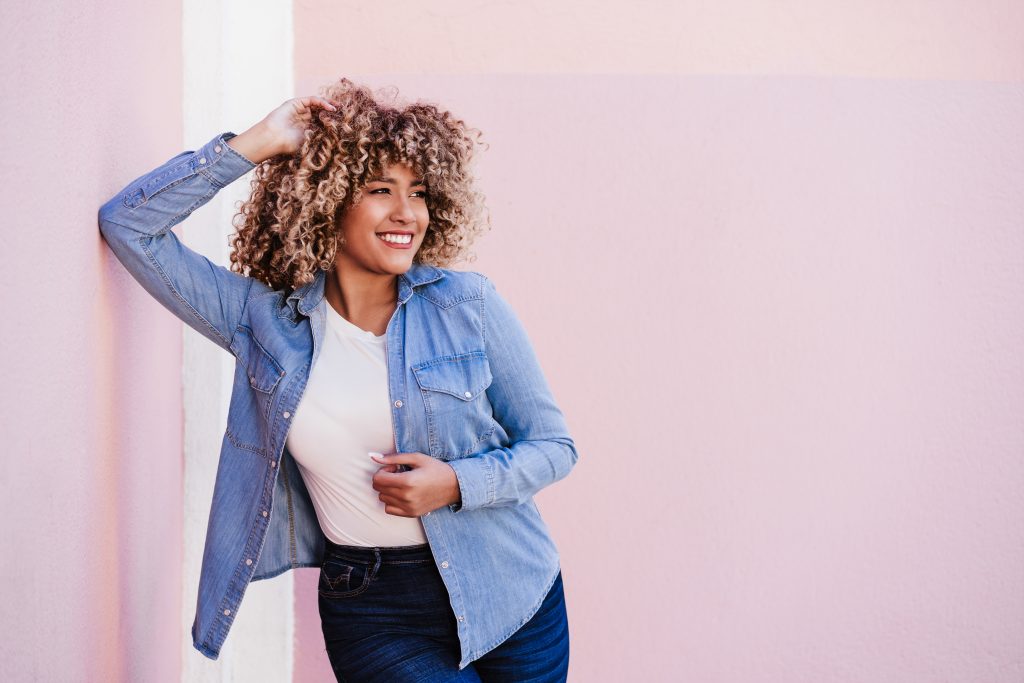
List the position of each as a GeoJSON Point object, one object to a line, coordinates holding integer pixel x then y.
{"type": "Point", "coordinates": [289, 226]}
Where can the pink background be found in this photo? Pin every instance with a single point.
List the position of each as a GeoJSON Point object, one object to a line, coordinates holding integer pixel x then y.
{"type": "Point", "coordinates": [91, 503]}
{"type": "Point", "coordinates": [772, 261]}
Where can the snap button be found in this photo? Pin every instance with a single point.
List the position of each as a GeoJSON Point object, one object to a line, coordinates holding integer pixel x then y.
{"type": "Point", "coordinates": [227, 612]}
{"type": "Point", "coordinates": [287, 414]}
{"type": "Point", "coordinates": [398, 403]}
{"type": "Point", "coordinates": [248, 560]}
{"type": "Point", "coordinates": [217, 149]}
{"type": "Point", "coordinates": [461, 618]}
{"type": "Point", "coordinates": [202, 160]}
{"type": "Point", "coordinates": [273, 463]}
{"type": "Point", "coordinates": [265, 513]}
{"type": "Point", "coordinates": [469, 394]}
{"type": "Point", "coordinates": [444, 565]}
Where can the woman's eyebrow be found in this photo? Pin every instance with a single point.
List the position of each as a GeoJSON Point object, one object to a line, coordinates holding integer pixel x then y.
{"type": "Point", "coordinates": [387, 179]}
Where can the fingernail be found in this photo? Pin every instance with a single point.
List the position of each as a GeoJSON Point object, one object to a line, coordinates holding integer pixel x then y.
{"type": "Point", "coordinates": [374, 453]}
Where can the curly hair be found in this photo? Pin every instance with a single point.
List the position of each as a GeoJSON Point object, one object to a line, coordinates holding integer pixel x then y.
{"type": "Point", "coordinates": [289, 224]}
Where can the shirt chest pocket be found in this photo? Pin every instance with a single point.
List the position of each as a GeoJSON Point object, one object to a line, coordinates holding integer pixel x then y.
{"type": "Point", "coordinates": [459, 415]}
{"type": "Point", "coordinates": [262, 371]}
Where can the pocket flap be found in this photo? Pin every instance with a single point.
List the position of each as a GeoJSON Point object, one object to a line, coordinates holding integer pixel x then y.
{"type": "Point", "coordinates": [464, 375]}
{"type": "Point", "coordinates": [264, 372]}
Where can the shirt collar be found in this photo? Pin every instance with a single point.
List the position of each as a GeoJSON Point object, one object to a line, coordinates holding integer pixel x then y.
{"type": "Point", "coordinates": [308, 296]}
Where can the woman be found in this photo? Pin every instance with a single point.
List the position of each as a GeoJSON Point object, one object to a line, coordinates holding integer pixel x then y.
{"type": "Point", "coordinates": [389, 422]}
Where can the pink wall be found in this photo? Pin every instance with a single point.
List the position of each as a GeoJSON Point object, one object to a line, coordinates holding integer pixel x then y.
{"type": "Point", "coordinates": [91, 559]}
{"type": "Point", "coordinates": [772, 264]}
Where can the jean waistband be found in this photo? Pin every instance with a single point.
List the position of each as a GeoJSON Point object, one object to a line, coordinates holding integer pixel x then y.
{"type": "Point", "coordinates": [386, 554]}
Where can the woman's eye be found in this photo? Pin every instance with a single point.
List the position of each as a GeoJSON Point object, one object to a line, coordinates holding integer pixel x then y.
{"type": "Point", "coordinates": [422, 193]}
{"type": "Point", "coordinates": [381, 189]}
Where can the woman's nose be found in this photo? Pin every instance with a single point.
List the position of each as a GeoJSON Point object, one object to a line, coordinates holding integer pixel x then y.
{"type": "Point", "coordinates": [403, 211]}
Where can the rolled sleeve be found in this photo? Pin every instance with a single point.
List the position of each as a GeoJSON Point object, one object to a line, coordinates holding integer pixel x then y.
{"type": "Point", "coordinates": [476, 483]}
{"type": "Point", "coordinates": [220, 162]}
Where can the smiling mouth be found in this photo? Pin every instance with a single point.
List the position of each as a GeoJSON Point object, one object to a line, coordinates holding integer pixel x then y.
{"type": "Point", "coordinates": [395, 239]}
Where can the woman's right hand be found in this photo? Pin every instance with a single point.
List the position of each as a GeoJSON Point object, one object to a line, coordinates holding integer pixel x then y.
{"type": "Point", "coordinates": [281, 131]}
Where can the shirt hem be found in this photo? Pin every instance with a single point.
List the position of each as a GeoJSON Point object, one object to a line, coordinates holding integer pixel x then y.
{"type": "Point", "coordinates": [470, 658]}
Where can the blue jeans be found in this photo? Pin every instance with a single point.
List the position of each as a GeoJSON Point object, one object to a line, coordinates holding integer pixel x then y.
{"type": "Point", "coordinates": [386, 617]}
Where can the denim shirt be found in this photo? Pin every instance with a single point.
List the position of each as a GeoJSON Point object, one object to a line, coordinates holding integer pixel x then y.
{"type": "Point", "coordinates": [464, 386]}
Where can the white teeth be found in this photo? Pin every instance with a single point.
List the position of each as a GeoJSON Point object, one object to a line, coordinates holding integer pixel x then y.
{"type": "Point", "coordinates": [397, 239]}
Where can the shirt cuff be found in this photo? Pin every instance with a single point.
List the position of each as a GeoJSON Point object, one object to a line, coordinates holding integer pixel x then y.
{"type": "Point", "coordinates": [475, 482]}
{"type": "Point", "coordinates": [220, 162]}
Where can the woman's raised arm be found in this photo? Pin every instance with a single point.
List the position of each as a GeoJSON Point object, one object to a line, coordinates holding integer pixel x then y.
{"type": "Point", "coordinates": [136, 222]}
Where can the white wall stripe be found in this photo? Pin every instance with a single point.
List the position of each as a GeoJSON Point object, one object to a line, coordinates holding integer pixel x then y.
{"type": "Point", "coordinates": [238, 65]}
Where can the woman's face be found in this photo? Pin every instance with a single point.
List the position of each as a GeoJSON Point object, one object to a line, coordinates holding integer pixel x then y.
{"type": "Point", "coordinates": [384, 229]}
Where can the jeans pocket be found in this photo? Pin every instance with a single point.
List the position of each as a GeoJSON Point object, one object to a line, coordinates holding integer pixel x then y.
{"type": "Point", "coordinates": [343, 578]}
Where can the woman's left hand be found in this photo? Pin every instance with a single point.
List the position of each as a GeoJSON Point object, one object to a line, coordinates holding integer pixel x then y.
{"type": "Point", "coordinates": [430, 484]}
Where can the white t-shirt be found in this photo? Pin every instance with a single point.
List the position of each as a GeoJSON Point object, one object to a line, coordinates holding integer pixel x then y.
{"type": "Point", "coordinates": [345, 413]}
